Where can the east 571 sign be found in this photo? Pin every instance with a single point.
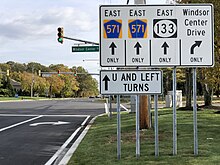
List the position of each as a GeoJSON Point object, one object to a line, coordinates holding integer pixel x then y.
{"type": "Point", "coordinates": [113, 82]}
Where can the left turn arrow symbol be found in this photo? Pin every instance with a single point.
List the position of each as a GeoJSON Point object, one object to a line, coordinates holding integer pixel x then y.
{"type": "Point", "coordinates": [112, 47]}
{"type": "Point", "coordinates": [106, 79]}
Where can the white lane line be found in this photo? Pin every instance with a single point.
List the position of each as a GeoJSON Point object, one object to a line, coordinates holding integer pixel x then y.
{"type": "Point", "coordinates": [18, 115]}
{"type": "Point", "coordinates": [56, 155]}
{"type": "Point", "coordinates": [29, 115]}
{"type": "Point", "coordinates": [17, 124]}
{"type": "Point", "coordinates": [83, 124]}
{"type": "Point", "coordinates": [122, 106]}
{"type": "Point", "coordinates": [73, 148]}
{"type": "Point", "coordinates": [53, 158]}
{"type": "Point", "coordinates": [66, 115]}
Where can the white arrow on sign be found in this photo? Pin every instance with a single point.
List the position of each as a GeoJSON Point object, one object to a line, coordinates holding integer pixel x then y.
{"type": "Point", "coordinates": [50, 123]}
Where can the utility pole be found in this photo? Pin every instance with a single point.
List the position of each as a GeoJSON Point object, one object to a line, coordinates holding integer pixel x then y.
{"type": "Point", "coordinates": [143, 106]}
{"type": "Point", "coordinates": [133, 98]}
{"type": "Point", "coordinates": [32, 82]}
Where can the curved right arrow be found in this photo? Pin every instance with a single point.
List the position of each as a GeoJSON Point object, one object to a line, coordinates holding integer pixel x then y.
{"type": "Point", "coordinates": [196, 44]}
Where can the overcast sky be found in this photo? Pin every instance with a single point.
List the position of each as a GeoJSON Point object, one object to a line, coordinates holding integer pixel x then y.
{"type": "Point", "coordinates": [28, 30]}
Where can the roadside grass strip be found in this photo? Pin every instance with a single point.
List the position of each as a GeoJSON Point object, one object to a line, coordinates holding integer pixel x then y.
{"type": "Point", "coordinates": [99, 146]}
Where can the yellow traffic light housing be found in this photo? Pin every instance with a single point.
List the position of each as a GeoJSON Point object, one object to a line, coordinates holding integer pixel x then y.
{"type": "Point", "coordinates": [39, 73]}
{"type": "Point", "coordinates": [7, 72]}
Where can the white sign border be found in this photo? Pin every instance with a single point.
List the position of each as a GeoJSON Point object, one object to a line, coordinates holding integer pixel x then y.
{"type": "Point", "coordinates": [131, 70]}
{"type": "Point", "coordinates": [161, 66]}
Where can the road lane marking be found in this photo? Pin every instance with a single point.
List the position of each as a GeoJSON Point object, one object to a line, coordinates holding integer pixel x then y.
{"type": "Point", "coordinates": [83, 124]}
{"type": "Point", "coordinates": [18, 115]}
{"type": "Point", "coordinates": [56, 155]}
{"type": "Point", "coordinates": [20, 123]}
{"type": "Point", "coordinates": [73, 148]}
{"type": "Point", "coordinates": [49, 123]}
{"type": "Point", "coordinates": [53, 158]}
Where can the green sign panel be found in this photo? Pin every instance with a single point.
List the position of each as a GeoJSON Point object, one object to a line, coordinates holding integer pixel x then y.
{"type": "Point", "coordinates": [85, 48]}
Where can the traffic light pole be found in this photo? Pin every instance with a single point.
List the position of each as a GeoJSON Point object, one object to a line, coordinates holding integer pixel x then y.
{"type": "Point", "coordinates": [86, 42]}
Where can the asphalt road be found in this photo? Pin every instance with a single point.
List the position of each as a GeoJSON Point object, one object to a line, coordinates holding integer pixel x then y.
{"type": "Point", "coordinates": [40, 132]}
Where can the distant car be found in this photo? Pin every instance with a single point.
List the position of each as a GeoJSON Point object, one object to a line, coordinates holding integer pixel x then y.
{"type": "Point", "coordinates": [91, 97]}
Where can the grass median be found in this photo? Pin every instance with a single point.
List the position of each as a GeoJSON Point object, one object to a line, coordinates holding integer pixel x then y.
{"type": "Point", "coordinates": [99, 147]}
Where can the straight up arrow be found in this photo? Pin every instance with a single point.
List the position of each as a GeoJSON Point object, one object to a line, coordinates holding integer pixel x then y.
{"type": "Point", "coordinates": [165, 46]}
{"type": "Point", "coordinates": [106, 79]}
{"type": "Point", "coordinates": [113, 46]}
{"type": "Point", "coordinates": [137, 46]}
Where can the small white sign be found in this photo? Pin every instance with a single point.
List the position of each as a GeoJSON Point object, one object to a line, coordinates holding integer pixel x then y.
{"type": "Point", "coordinates": [139, 54]}
{"type": "Point", "coordinates": [165, 52]}
{"type": "Point", "coordinates": [130, 82]}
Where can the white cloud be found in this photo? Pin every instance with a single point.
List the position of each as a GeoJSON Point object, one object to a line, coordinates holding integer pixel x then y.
{"type": "Point", "coordinates": [44, 23]}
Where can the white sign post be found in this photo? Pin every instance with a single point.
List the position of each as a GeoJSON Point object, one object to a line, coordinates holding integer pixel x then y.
{"type": "Point", "coordinates": [156, 36]}
{"type": "Point", "coordinates": [130, 82]}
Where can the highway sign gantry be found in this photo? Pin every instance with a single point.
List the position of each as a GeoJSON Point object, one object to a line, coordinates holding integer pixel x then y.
{"type": "Point", "coordinates": [156, 35]}
{"type": "Point", "coordinates": [130, 82]}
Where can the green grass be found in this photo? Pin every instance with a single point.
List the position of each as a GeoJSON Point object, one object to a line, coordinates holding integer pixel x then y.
{"type": "Point", "coordinates": [99, 146]}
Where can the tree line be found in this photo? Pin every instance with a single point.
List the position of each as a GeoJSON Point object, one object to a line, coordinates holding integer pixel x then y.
{"type": "Point", "coordinates": [55, 85]}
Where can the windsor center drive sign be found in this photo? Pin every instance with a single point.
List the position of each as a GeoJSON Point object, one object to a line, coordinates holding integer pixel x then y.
{"type": "Point", "coordinates": [156, 35]}
{"type": "Point", "coordinates": [130, 82]}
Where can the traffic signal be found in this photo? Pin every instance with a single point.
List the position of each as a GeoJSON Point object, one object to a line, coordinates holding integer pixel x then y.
{"type": "Point", "coordinates": [60, 34]}
{"type": "Point", "coordinates": [39, 73]}
{"type": "Point", "coordinates": [58, 72]}
{"type": "Point", "coordinates": [7, 72]}
{"type": "Point", "coordinates": [74, 72]}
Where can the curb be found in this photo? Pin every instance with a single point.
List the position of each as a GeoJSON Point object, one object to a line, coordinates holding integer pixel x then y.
{"type": "Point", "coordinates": [73, 148]}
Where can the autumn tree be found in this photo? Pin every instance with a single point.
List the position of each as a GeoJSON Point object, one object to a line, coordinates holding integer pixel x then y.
{"type": "Point", "coordinates": [16, 67]}
{"type": "Point", "coordinates": [63, 85]}
{"type": "Point", "coordinates": [88, 86]}
{"type": "Point", "coordinates": [71, 86]}
{"type": "Point", "coordinates": [56, 85]}
{"type": "Point", "coordinates": [41, 85]}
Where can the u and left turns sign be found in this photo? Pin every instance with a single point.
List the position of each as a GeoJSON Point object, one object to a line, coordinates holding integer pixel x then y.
{"type": "Point", "coordinates": [156, 35]}
{"type": "Point", "coordinates": [113, 82]}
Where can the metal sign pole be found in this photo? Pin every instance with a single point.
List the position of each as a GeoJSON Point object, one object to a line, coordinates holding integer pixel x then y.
{"type": "Point", "coordinates": [156, 125]}
{"type": "Point", "coordinates": [137, 127]}
{"type": "Point", "coordinates": [149, 110]}
{"type": "Point", "coordinates": [174, 114]}
{"type": "Point", "coordinates": [195, 113]}
{"type": "Point", "coordinates": [110, 106]}
{"type": "Point", "coordinates": [118, 128]}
